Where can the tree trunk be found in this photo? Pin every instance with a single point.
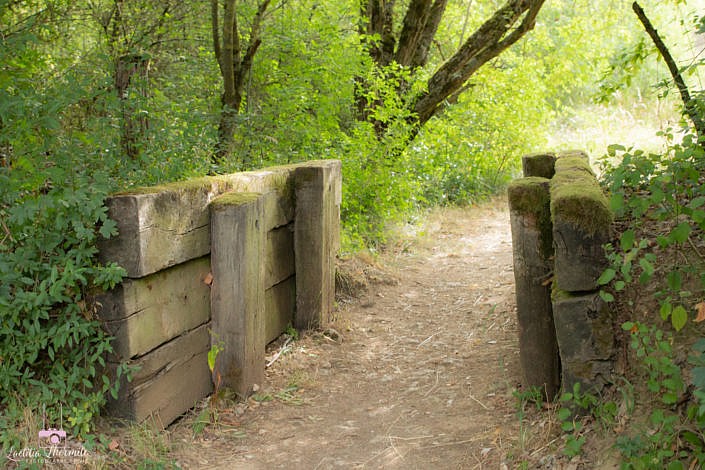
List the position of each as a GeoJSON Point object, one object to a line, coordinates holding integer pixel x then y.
{"type": "Point", "coordinates": [410, 49]}
{"type": "Point", "coordinates": [132, 128]}
{"type": "Point", "coordinates": [689, 104]}
{"type": "Point", "coordinates": [234, 68]}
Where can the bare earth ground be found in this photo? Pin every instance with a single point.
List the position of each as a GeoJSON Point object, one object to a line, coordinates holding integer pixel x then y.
{"type": "Point", "coordinates": [419, 373]}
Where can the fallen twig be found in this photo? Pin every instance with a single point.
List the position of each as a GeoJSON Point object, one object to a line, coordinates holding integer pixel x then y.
{"type": "Point", "coordinates": [284, 348]}
{"type": "Point", "coordinates": [427, 339]}
{"type": "Point", "coordinates": [478, 401]}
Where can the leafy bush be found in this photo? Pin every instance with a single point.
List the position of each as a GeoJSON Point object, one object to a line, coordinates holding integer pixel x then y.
{"type": "Point", "coordinates": [660, 203]}
{"type": "Point", "coordinates": [52, 350]}
{"type": "Point", "coordinates": [666, 189]}
{"type": "Point", "coordinates": [53, 182]}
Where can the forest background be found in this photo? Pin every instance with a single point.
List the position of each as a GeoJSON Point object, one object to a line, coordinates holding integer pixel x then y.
{"type": "Point", "coordinates": [98, 96]}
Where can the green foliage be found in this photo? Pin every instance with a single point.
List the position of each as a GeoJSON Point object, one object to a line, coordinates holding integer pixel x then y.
{"type": "Point", "coordinates": [474, 149]}
{"type": "Point", "coordinates": [654, 349]}
{"type": "Point", "coordinates": [53, 351]}
{"type": "Point", "coordinates": [572, 414]}
{"type": "Point", "coordinates": [663, 188]}
{"type": "Point", "coordinates": [667, 439]}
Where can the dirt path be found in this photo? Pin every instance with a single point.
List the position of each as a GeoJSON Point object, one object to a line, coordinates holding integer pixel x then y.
{"type": "Point", "coordinates": [419, 374]}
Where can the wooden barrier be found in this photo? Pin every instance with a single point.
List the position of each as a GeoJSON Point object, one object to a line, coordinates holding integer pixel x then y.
{"type": "Point", "coordinates": [562, 285]}
{"type": "Point", "coordinates": [193, 270]}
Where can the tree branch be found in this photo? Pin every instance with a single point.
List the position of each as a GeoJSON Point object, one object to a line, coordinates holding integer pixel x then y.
{"type": "Point", "coordinates": [414, 21]}
{"type": "Point", "coordinates": [688, 103]}
{"type": "Point", "coordinates": [491, 39]}
{"type": "Point", "coordinates": [255, 40]}
{"type": "Point", "coordinates": [428, 33]}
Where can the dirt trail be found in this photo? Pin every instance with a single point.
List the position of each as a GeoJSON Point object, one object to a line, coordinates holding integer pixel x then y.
{"type": "Point", "coordinates": [420, 376]}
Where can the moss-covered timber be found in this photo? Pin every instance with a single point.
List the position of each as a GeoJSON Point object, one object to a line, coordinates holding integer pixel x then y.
{"type": "Point", "coordinates": [532, 252]}
{"type": "Point", "coordinates": [538, 164]}
{"type": "Point", "coordinates": [237, 292]}
{"type": "Point", "coordinates": [581, 224]}
{"type": "Point", "coordinates": [577, 198]}
{"type": "Point", "coordinates": [164, 225]}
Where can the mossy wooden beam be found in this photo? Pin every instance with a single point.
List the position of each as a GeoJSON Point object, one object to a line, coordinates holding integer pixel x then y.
{"type": "Point", "coordinates": [237, 291]}
{"type": "Point", "coordinates": [161, 226]}
{"type": "Point", "coordinates": [581, 225]}
{"type": "Point", "coordinates": [538, 164]}
{"type": "Point", "coordinates": [530, 218]}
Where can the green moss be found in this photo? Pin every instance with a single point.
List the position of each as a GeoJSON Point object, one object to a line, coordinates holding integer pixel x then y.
{"type": "Point", "coordinates": [528, 195]}
{"type": "Point", "coordinates": [539, 164]}
{"type": "Point", "coordinates": [190, 185]}
{"type": "Point", "coordinates": [531, 197]}
{"type": "Point", "coordinates": [560, 294]}
{"type": "Point", "coordinates": [573, 163]}
{"type": "Point", "coordinates": [574, 153]}
{"type": "Point", "coordinates": [234, 199]}
{"type": "Point", "coordinates": [277, 177]}
{"type": "Point", "coordinates": [576, 198]}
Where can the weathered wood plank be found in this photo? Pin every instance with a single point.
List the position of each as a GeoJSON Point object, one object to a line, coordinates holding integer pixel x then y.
{"type": "Point", "coordinates": [237, 292]}
{"type": "Point", "coordinates": [530, 217]}
{"type": "Point", "coordinates": [279, 255]}
{"type": "Point", "coordinates": [170, 380]}
{"type": "Point", "coordinates": [145, 313]}
{"type": "Point", "coordinates": [586, 339]}
{"type": "Point", "coordinates": [581, 224]}
{"type": "Point", "coordinates": [279, 306]}
{"type": "Point", "coordinates": [162, 226]}
{"type": "Point", "coordinates": [316, 240]}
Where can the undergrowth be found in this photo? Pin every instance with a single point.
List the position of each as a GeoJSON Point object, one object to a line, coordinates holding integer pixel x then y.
{"type": "Point", "coordinates": [656, 284]}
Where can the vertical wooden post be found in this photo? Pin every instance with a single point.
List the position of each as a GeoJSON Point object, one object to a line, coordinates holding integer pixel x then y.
{"type": "Point", "coordinates": [539, 164]}
{"type": "Point", "coordinates": [316, 228]}
{"type": "Point", "coordinates": [530, 217]}
{"type": "Point", "coordinates": [237, 293]}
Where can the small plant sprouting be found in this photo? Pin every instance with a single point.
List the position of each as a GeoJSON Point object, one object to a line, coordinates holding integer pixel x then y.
{"type": "Point", "coordinates": [292, 332]}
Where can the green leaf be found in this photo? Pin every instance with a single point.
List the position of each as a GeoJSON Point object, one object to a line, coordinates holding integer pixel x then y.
{"type": "Point", "coordinates": [697, 202]}
{"type": "Point", "coordinates": [665, 310]}
{"type": "Point", "coordinates": [646, 266]}
{"type": "Point", "coordinates": [212, 355]}
{"type": "Point", "coordinates": [674, 280]}
{"type": "Point", "coordinates": [612, 149]}
{"type": "Point", "coordinates": [675, 465]}
{"type": "Point", "coordinates": [699, 345]}
{"type": "Point", "coordinates": [680, 233]}
{"type": "Point", "coordinates": [669, 398]}
{"type": "Point", "coordinates": [699, 377]}
{"type": "Point", "coordinates": [606, 296]}
{"type": "Point", "coordinates": [564, 414]}
{"type": "Point", "coordinates": [679, 317]}
{"type": "Point", "coordinates": [698, 216]}
{"type": "Point", "coordinates": [626, 241]}
{"type": "Point", "coordinates": [662, 241]}
{"type": "Point", "coordinates": [606, 276]}
{"type": "Point", "coordinates": [617, 203]}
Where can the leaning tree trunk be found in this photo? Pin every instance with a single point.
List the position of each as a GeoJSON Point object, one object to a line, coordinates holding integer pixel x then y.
{"type": "Point", "coordinates": [690, 106]}
{"type": "Point", "coordinates": [410, 49]}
